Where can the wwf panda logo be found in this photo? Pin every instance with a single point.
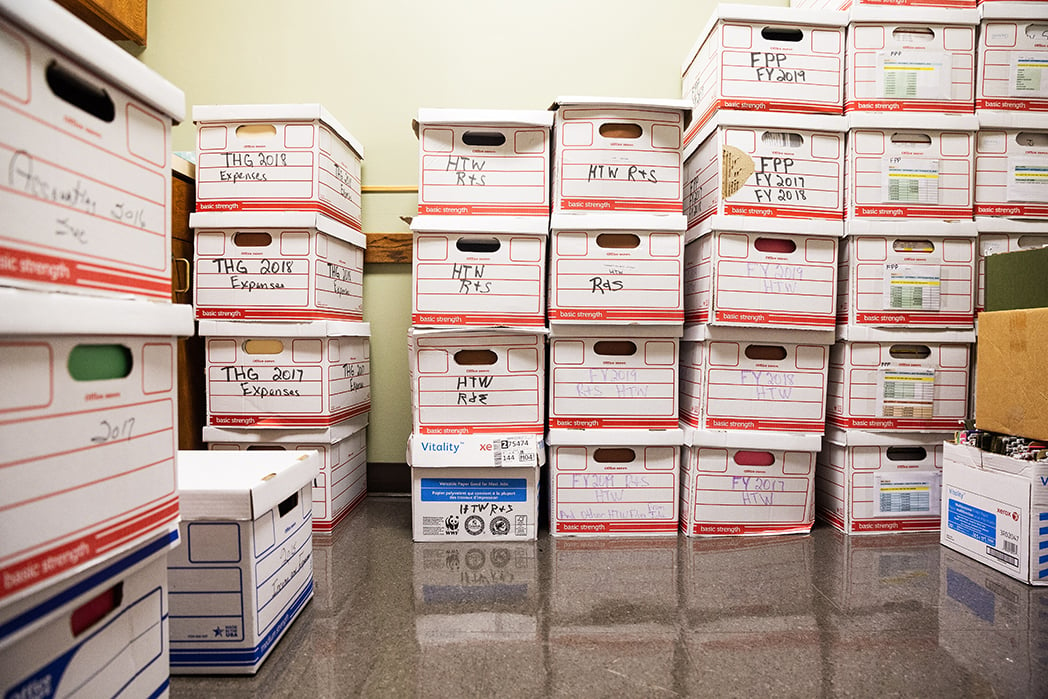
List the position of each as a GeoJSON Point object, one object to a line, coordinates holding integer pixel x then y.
{"type": "Point", "coordinates": [451, 524]}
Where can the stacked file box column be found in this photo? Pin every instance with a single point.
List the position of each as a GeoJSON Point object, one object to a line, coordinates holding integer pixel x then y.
{"type": "Point", "coordinates": [615, 311]}
{"type": "Point", "coordinates": [89, 506]}
{"type": "Point", "coordinates": [278, 264]}
{"type": "Point", "coordinates": [477, 344]}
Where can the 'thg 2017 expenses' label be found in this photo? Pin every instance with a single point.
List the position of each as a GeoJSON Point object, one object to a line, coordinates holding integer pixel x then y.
{"type": "Point", "coordinates": [985, 522]}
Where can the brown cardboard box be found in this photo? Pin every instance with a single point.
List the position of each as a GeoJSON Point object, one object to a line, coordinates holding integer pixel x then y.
{"type": "Point", "coordinates": [1011, 390]}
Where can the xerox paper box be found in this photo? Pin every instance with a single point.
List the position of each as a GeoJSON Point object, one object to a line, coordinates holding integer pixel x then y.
{"type": "Point", "coordinates": [623, 377]}
{"type": "Point", "coordinates": [479, 270]}
{"type": "Point", "coordinates": [616, 268]}
{"type": "Point", "coordinates": [474, 503]}
{"type": "Point", "coordinates": [1010, 389]}
{"type": "Point", "coordinates": [477, 380]}
{"type": "Point", "coordinates": [276, 157]}
{"type": "Point", "coordinates": [1012, 55]}
{"type": "Point", "coordinates": [86, 150]}
{"type": "Point", "coordinates": [483, 162]}
{"type": "Point", "coordinates": [754, 379]}
{"type": "Point", "coordinates": [908, 277]}
{"type": "Point", "coordinates": [245, 567]}
{"type": "Point", "coordinates": [102, 633]}
{"type": "Point", "coordinates": [612, 154]}
{"type": "Point", "coordinates": [614, 482]}
{"type": "Point", "coordinates": [995, 510]}
{"type": "Point", "coordinates": [876, 482]}
{"type": "Point", "coordinates": [341, 482]}
{"type": "Point", "coordinates": [448, 574]}
{"type": "Point", "coordinates": [899, 380]}
{"type": "Point", "coordinates": [744, 483]}
{"type": "Point", "coordinates": [87, 431]}
{"type": "Point", "coordinates": [751, 272]}
{"type": "Point", "coordinates": [910, 166]}
{"type": "Point", "coordinates": [1000, 235]}
{"type": "Point", "coordinates": [286, 265]}
{"type": "Point", "coordinates": [766, 59]}
{"type": "Point", "coordinates": [910, 59]}
{"type": "Point", "coordinates": [286, 375]}
{"type": "Point", "coordinates": [479, 450]}
{"type": "Point", "coordinates": [766, 165]}
{"type": "Point", "coordinates": [1011, 164]}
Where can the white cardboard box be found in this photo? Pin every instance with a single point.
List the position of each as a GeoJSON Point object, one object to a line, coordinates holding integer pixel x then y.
{"type": "Point", "coordinates": [286, 375]}
{"type": "Point", "coordinates": [1012, 50]}
{"type": "Point", "coordinates": [102, 633]}
{"type": "Point", "coordinates": [911, 59]}
{"type": "Point", "coordinates": [899, 381]}
{"type": "Point", "coordinates": [88, 431]}
{"type": "Point", "coordinates": [910, 166]}
{"type": "Point", "coordinates": [614, 482]}
{"type": "Point", "coordinates": [479, 270]}
{"type": "Point", "coordinates": [997, 235]}
{"type": "Point", "coordinates": [623, 377]}
{"type": "Point", "coordinates": [754, 379]}
{"type": "Point", "coordinates": [245, 567]}
{"type": "Point", "coordinates": [483, 162]}
{"type": "Point", "coordinates": [908, 276]}
{"type": "Point", "coordinates": [87, 152]}
{"type": "Point", "coordinates": [743, 483]}
{"type": "Point", "coordinates": [766, 165]}
{"type": "Point", "coordinates": [749, 272]}
{"type": "Point", "coordinates": [477, 380]}
{"type": "Point", "coordinates": [995, 510]}
{"type": "Point", "coordinates": [612, 154]}
{"type": "Point", "coordinates": [276, 157]}
{"type": "Point", "coordinates": [1011, 163]}
{"type": "Point", "coordinates": [285, 265]}
{"type": "Point", "coordinates": [341, 482]}
{"type": "Point", "coordinates": [616, 268]}
{"type": "Point", "coordinates": [875, 482]}
{"type": "Point", "coordinates": [766, 59]}
{"type": "Point", "coordinates": [846, 4]}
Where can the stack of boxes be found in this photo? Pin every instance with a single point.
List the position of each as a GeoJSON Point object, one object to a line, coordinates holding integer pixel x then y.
{"type": "Point", "coordinates": [616, 313]}
{"type": "Point", "coordinates": [764, 179]}
{"type": "Point", "coordinates": [89, 505]}
{"type": "Point", "coordinates": [477, 344]}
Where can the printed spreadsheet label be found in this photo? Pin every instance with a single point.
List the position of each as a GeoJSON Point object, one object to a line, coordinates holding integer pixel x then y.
{"type": "Point", "coordinates": [910, 180]}
{"type": "Point", "coordinates": [914, 75]}
{"type": "Point", "coordinates": [908, 493]}
{"type": "Point", "coordinates": [908, 393]}
{"type": "Point", "coordinates": [1028, 178]}
{"type": "Point", "coordinates": [912, 287]}
{"type": "Point", "coordinates": [1028, 74]}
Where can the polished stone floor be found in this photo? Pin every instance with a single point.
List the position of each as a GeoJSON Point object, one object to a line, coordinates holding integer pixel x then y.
{"type": "Point", "coordinates": [801, 616]}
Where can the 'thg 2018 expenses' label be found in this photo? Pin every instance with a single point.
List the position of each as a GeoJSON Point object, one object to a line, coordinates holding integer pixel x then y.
{"type": "Point", "coordinates": [985, 522]}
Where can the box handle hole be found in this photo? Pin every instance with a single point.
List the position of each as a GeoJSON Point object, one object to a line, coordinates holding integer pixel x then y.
{"type": "Point", "coordinates": [778, 246]}
{"type": "Point", "coordinates": [911, 139]}
{"type": "Point", "coordinates": [1037, 31]}
{"type": "Point", "coordinates": [782, 34]}
{"type": "Point", "coordinates": [1032, 139]}
{"type": "Point", "coordinates": [768, 353]}
{"type": "Point", "coordinates": [484, 245]}
{"type": "Point", "coordinates": [256, 132]}
{"type": "Point", "coordinates": [618, 130]}
{"type": "Point", "coordinates": [475, 357]}
{"type": "Point", "coordinates": [909, 351]}
{"type": "Point", "coordinates": [288, 504]}
{"type": "Point", "coordinates": [614, 455]}
{"type": "Point", "coordinates": [782, 139]}
{"type": "Point", "coordinates": [907, 453]}
{"type": "Point", "coordinates": [906, 245]}
{"type": "Point", "coordinates": [266, 447]}
{"type": "Point", "coordinates": [100, 362]}
{"type": "Point", "coordinates": [912, 34]}
{"type": "Point", "coordinates": [746, 457]}
{"type": "Point", "coordinates": [70, 87]}
{"type": "Point", "coordinates": [95, 609]}
{"type": "Point", "coordinates": [252, 239]}
{"type": "Point", "coordinates": [263, 346]}
{"type": "Point", "coordinates": [1028, 242]}
{"type": "Point", "coordinates": [621, 241]}
{"type": "Point", "coordinates": [490, 139]}
{"type": "Point", "coordinates": [615, 348]}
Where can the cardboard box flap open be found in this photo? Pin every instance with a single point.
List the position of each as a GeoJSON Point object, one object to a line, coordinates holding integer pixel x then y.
{"type": "Point", "coordinates": [677, 223]}
{"type": "Point", "coordinates": [253, 113]}
{"type": "Point", "coordinates": [475, 225]}
{"type": "Point", "coordinates": [44, 313]}
{"type": "Point", "coordinates": [752, 439]}
{"type": "Point", "coordinates": [611, 437]}
{"type": "Point", "coordinates": [240, 485]}
{"type": "Point", "coordinates": [899, 14]}
{"type": "Point", "coordinates": [327, 435]}
{"type": "Point", "coordinates": [475, 450]}
{"type": "Point", "coordinates": [314, 328]}
{"type": "Point", "coordinates": [277, 219]}
{"type": "Point", "coordinates": [71, 36]}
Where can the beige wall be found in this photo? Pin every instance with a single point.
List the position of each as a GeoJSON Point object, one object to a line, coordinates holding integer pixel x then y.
{"type": "Point", "coordinates": [373, 63]}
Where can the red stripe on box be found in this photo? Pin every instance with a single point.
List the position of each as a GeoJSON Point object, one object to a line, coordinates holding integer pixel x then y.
{"type": "Point", "coordinates": [49, 269]}
{"type": "Point", "coordinates": [889, 423]}
{"type": "Point", "coordinates": [891, 318]}
{"type": "Point", "coordinates": [476, 319]}
{"type": "Point", "coordinates": [724, 529]}
{"type": "Point", "coordinates": [765, 318]}
{"type": "Point", "coordinates": [676, 206]}
{"type": "Point", "coordinates": [1012, 105]}
{"type": "Point", "coordinates": [908, 524]}
{"type": "Point", "coordinates": [951, 106]}
{"type": "Point", "coordinates": [484, 210]}
{"type": "Point", "coordinates": [782, 212]}
{"type": "Point", "coordinates": [276, 314]}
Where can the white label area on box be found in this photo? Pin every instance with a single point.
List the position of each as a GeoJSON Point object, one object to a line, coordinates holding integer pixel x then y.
{"type": "Point", "coordinates": [906, 493]}
{"type": "Point", "coordinates": [1028, 74]}
{"type": "Point", "coordinates": [907, 393]}
{"type": "Point", "coordinates": [1028, 178]}
{"type": "Point", "coordinates": [912, 287]}
{"type": "Point", "coordinates": [911, 180]}
{"type": "Point", "coordinates": [514, 451]}
{"type": "Point", "coordinates": [915, 75]}
{"type": "Point", "coordinates": [984, 528]}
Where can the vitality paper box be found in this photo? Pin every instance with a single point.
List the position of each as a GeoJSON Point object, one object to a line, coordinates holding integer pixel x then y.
{"type": "Point", "coordinates": [616, 268]}
{"type": "Point", "coordinates": [1011, 164]}
{"type": "Point", "coordinates": [448, 574]}
{"type": "Point", "coordinates": [277, 157]}
{"type": "Point", "coordinates": [906, 166]}
{"type": "Point", "coordinates": [995, 510]}
{"type": "Point", "coordinates": [753, 379]}
{"type": "Point", "coordinates": [477, 380]}
{"type": "Point", "coordinates": [276, 266]}
{"type": "Point", "coordinates": [479, 270]}
{"type": "Point", "coordinates": [766, 59]}
{"type": "Point", "coordinates": [909, 278]}
{"type": "Point", "coordinates": [618, 154]}
{"type": "Point", "coordinates": [245, 568]}
{"type": "Point", "coordinates": [1012, 51]}
{"type": "Point", "coordinates": [483, 162]}
{"type": "Point", "coordinates": [766, 165]}
{"type": "Point", "coordinates": [874, 482]}
{"type": "Point", "coordinates": [750, 272]}
{"type": "Point", "coordinates": [741, 484]}
{"type": "Point", "coordinates": [614, 482]}
{"type": "Point", "coordinates": [86, 148]}
{"type": "Point", "coordinates": [910, 59]}
{"type": "Point", "coordinates": [101, 633]}
{"type": "Point", "coordinates": [1009, 389]}
{"type": "Point", "coordinates": [623, 377]}
{"type": "Point", "coordinates": [286, 375]}
{"type": "Point", "coordinates": [88, 433]}
{"type": "Point", "coordinates": [1000, 235]}
{"type": "Point", "coordinates": [899, 381]}
{"type": "Point", "coordinates": [341, 482]}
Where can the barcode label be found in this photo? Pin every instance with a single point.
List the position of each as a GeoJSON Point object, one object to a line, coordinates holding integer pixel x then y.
{"type": "Point", "coordinates": [1010, 547]}
{"type": "Point", "coordinates": [515, 451]}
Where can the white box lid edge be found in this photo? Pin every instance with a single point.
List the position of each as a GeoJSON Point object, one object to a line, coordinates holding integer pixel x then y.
{"type": "Point", "coordinates": [507, 225]}
{"type": "Point", "coordinates": [619, 222]}
{"type": "Point", "coordinates": [769, 226]}
{"type": "Point", "coordinates": [762, 335]}
{"type": "Point", "coordinates": [240, 485]}
{"type": "Point", "coordinates": [909, 228]}
{"type": "Point", "coordinates": [881, 121]}
{"type": "Point", "coordinates": [576, 329]}
{"type": "Point", "coordinates": [483, 117]}
{"type": "Point", "coordinates": [752, 439]}
{"type": "Point", "coordinates": [314, 328]}
{"type": "Point", "coordinates": [328, 435]}
{"type": "Point", "coordinates": [278, 219]}
{"type": "Point", "coordinates": [204, 113]}
{"type": "Point", "coordinates": [896, 14]}
{"type": "Point", "coordinates": [862, 438]}
{"type": "Point", "coordinates": [893, 336]}
{"type": "Point", "coordinates": [998, 224]}
{"type": "Point", "coordinates": [47, 313]}
{"type": "Point", "coordinates": [625, 437]}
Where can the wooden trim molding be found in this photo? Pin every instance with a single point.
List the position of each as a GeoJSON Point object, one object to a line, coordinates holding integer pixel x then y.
{"type": "Point", "coordinates": [388, 247]}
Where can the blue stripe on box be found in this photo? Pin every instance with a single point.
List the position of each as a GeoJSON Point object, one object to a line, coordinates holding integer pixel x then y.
{"type": "Point", "coordinates": [1043, 559]}
{"type": "Point", "coordinates": [1043, 545]}
{"type": "Point", "coordinates": [474, 490]}
{"type": "Point", "coordinates": [1043, 531]}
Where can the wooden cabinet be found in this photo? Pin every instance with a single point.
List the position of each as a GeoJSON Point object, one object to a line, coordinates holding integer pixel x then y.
{"type": "Point", "coordinates": [191, 387]}
{"type": "Point", "coordinates": [114, 19]}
